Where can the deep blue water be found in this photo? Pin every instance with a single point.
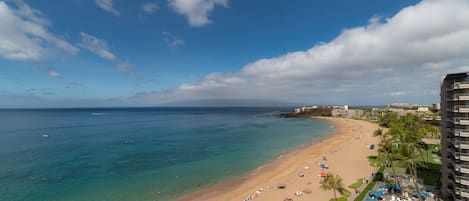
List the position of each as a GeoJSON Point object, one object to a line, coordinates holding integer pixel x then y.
{"type": "Point", "coordinates": [138, 153]}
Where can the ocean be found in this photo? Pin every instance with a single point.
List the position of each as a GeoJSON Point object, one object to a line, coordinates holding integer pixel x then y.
{"type": "Point", "coordinates": [138, 154]}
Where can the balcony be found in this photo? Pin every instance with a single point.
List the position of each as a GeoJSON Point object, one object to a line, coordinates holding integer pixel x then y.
{"type": "Point", "coordinates": [460, 85]}
{"type": "Point", "coordinates": [461, 168]}
{"type": "Point", "coordinates": [464, 121]}
{"type": "Point", "coordinates": [459, 132]}
{"type": "Point", "coordinates": [459, 109]}
{"type": "Point", "coordinates": [462, 192]}
{"type": "Point", "coordinates": [462, 180]}
{"type": "Point", "coordinates": [461, 144]}
{"type": "Point", "coordinates": [461, 156]}
{"type": "Point", "coordinates": [459, 97]}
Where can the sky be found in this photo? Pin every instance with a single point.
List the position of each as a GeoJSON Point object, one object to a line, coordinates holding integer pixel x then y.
{"type": "Point", "coordinates": [118, 53]}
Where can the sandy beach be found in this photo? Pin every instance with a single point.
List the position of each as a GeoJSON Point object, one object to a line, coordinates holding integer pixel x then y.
{"type": "Point", "coordinates": [346, 150]}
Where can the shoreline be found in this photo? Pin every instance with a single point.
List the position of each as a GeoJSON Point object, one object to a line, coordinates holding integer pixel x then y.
{"type": "Point", "coordinates": [284, 167]}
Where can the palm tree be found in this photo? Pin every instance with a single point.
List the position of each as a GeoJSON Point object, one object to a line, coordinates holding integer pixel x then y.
{"type": "Point", "coordinates": [334, 183]}
{"type": "Point", "coordinates": [379, 133]}
{"type": "Point", "coordinates": [386, 154]}
{"type": "Point", "coordinates": [409, 156]}
{"type": "Point", "coordinates": [388, 119]}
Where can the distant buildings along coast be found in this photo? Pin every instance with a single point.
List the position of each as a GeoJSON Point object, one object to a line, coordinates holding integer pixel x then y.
{"type": "Point", "coordinates": [401, 109]}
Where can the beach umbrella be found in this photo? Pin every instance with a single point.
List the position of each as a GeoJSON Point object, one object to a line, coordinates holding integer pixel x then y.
{"type": "Point", "coordinates": [377, 193]}
{"type": "Point", "coordinates": [323, 174]}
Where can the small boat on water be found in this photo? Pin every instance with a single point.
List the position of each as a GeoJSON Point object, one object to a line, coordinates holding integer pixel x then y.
{"type": "Point", "coordinates": [45, 135]}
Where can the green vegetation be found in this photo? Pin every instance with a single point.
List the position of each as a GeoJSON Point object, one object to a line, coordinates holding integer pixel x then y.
{"type": "Point", "coordinates": [402, 150]}
{"type": "Point", "coordinates": [430, 174]}
{"type": "Point", "coordinates": [396, 170]}
{"type": "Point", "coordinates": [367, 120]}
{"type": "Point", "coordinates": [357, 184]}
{"type": "Point", "coordinates": [430, 171]}
{"type": "Point", "coordinates": [432, 154]}
{"type": "Point", "coordinates": [378, 177]}
{"type": "Point", "coordinates": [339, 199]}
{"type": "Point", "coordinates": [374, 161]}
{"type": "Point", "coordinates": [335, 183]}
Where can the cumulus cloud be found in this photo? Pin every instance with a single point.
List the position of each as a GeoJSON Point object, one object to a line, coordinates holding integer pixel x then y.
{"type": "Point", "coordinates": [150, 8]}
{"type": "Point", "coordinates": [401, 57]}
{"type": "Point", "coordinates": [24, 34]}
{"type": "Point", "coordinates": [96, 46]}
{"type": "Point", "coordinates": [196, 11]}
{"type": "Point", "coordinates": [108, 6]}
{"type": "Point", "coordinates": [171, 40]}
{"type": "Point", "coordinates": [53, 73]}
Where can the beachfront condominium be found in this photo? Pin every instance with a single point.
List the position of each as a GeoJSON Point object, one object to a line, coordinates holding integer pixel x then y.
{"type": "Point", "coordinates": [455, 136]}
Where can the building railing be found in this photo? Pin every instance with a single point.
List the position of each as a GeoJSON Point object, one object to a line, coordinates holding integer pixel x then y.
{"type": "Point", "coordinates": [460, 85]}
{"type": "Point", "coordinates": [461, 153]}
{"type": "Point", "coordinates": [461, 144]}
{"type": "Point", "coordinates": [458, 167]}
{"type": "Point", "coordinates": [459, 132]}
{"type": "Point", "coordinates": [459, 108]}
{"type": "Point", "coordinates": [462, 168]}
{"type": "Point", "coordinates": [464, 180]}
{"type": "Point", "coordinates": [462, 192]}
{"type": "Point", "coordinates": [459, 97]}
{"type": "Point", "coordinates": [461, 120]}
{"type": "Point", "coordinates": [461, 156]}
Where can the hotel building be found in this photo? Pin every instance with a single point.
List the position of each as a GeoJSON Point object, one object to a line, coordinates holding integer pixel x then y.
{"type": "Point", "coordinates": [455, 136]}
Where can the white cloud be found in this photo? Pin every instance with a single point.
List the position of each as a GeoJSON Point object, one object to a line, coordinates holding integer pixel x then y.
{"type": "Point", "coordinates": [47, 71]}
{"type": "Point", "coordinates": [363, 65]}
{"type": "Point", "coordinates": [150, 8]}
{"type": "Point", "coordinates": [196, 11]}
{"type": "Point", "coordinates": [24, 34]}
{"type": "Point", "coordinates": [108, 5]}
{"type": "Point", "coordinates": [171, 40]}
{"type": "Point", "coordinates": [128, 69]}
{"type": "Point", "coordinates": [101, 49]}
{"type": "Point", "coordinates": [96, 46]}
{"type": "Point", "coordinates": [53, 73]}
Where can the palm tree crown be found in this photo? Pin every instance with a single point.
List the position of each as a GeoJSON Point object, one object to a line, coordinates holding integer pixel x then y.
{"type": "Point", "coordinates": [334, 183]}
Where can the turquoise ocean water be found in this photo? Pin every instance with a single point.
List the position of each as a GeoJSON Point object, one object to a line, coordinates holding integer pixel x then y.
{"type": "Point", "coordinates": [138, 154]}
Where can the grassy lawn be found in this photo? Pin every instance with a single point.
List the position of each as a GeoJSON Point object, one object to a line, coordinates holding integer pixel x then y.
{"type": "Point", "coordinates": [357, 184]}
{"type": "Point", "coordinates": [398, 170]}
{"type": "Point", "coordinates": [339, 199]}
{"type": "Point", "coordinates": [379, 176]}
{"type": "Point", "coordinates": [374, 161]}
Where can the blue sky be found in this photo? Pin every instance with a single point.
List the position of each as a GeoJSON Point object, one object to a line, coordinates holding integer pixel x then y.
{"type": "Point", "coordinates": [145, 53]}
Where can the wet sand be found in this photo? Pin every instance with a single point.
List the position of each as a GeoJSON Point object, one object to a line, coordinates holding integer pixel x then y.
{"type": "Point", "coordinates": [346, 149]}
